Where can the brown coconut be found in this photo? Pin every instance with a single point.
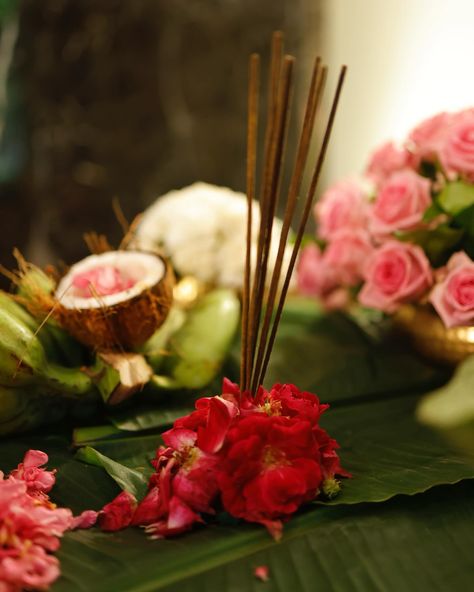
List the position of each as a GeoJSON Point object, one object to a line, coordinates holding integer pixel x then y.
{"type": "Point", "coordinates": [122, 325]}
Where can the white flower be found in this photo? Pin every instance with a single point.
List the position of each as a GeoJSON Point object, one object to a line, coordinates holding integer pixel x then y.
{"type": "Point", "coordinates": [202, 229]}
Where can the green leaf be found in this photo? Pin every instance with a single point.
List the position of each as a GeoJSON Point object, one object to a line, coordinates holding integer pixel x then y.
{"type": "Point", "coordinates": [423, 543]}
{"type": "Point", "coordinates": [394, 547]}
{"type": "Point", "coordinates": [331, 356]}
{"type": "Point", "coordinates": [390, 453]}
{"type": "Point", "coordinates": [456, 197]}
{"type": "Point", "coordinates": [466, 221]}
{"type": "Point", "coordinates": [146, 417]}
{"type": "Point", "coordinates": [438, 243]}
{"type": "Point", "coordinates": [337, 545]}
{"type": "Point", "coordinates": [131, 480]}
{"type": "Point", "coordinates": [432, 212]}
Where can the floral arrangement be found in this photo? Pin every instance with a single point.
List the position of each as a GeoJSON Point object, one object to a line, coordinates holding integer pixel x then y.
{"type": "Point", "coordinates": [405, 232]}
{"type": "Point", "coordinates": [191, 226]}
{"type": "Point", "coordinates": [258, 458]}
{"type": "Point", "coordinates": [31, 526]}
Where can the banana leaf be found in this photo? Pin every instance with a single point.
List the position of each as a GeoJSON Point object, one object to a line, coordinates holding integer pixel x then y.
{"type": "Point", "coordinates": [333, 547]}
{"type": "Point", "coordinates": [326, 354]}
{"type": "Point", "coordinates": [420, 543]}
{"type": "Point", "coordinates": [403, 522]}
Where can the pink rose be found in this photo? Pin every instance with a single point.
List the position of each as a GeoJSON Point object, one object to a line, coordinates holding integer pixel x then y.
{"type": "Point", "coordinates": [342, 207]}
{"type": "Point", "coordinates": [317, 278]}
{"type": "Point", "coordinates": [347, 254]}
{"type": "Point", "coordinates": [429, 135]}
{"type": "Point", "coordinates": [457, 152]}
{"type": "Point", "coordinates": [401, 203]}
{"type": "Point", "coordinates": [314, 277]}
{"type": "Point", "coordinates": [388, 159]}
{"type": "Point", "coordinates": [453, 298]}
{"type": "Point", "coordinates": [396, 272]}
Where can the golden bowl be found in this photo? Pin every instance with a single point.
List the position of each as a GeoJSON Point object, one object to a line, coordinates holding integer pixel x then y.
{"type": "Point", "coordinates": [431, 338]}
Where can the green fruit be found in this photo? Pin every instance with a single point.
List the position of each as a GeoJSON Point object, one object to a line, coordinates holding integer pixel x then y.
{"type": "Point", "coordinates": [23, 361]}
{"type": "Point", "coordinates": [155, 349]}
{"type": "Point", "coordinates": [34, 280]}
{"type": "Point", "coordinates": [198, 349]}
{"type": "Point", "coordinates": [59, 346]}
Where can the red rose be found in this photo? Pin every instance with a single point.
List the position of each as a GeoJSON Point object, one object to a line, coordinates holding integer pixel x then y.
{"type": "Point", "coordinates": [270, 466]}
{"type": "Point", "coordinates": [210, 421]}
{"type": "Point", "coordinates": [289, 401]}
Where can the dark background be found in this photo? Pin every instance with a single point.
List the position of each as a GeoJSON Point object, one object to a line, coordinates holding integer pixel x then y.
{"type": "Point", "coordinates": [128, 99]}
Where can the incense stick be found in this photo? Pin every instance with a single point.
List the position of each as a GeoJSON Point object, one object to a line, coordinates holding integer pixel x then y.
{"type": "Point", "coordinates": [254, 361]}
{"type": "Point", "coordinates": [252, 130]}
{"type": "Point", "coordinates": [304, 218]}
{"type": "Point", "coordinates": [275, 67]}
{"type": "Point", "coordinates": [277, 150]}
{"type": "Point", "coordinates": [314, 96]}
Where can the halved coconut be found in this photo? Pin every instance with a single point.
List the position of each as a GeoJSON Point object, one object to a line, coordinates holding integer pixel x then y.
{"type": "Point", "coordinates": [115, 300]}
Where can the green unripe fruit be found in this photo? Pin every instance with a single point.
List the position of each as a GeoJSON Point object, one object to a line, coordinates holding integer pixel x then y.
{"type": "Point", "coordinates": [197, 350]}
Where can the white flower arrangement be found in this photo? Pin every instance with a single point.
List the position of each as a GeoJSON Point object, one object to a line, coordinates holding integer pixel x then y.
{"type": "Point", "coordinates": [202, 229]}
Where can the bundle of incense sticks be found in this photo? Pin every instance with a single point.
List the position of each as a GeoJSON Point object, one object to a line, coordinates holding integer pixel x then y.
{"type": "Point", "coordinates": [258, 335]}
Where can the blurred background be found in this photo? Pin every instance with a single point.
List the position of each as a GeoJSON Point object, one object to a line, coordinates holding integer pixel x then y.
{"type": "Point", "coordinates": [131, 98]}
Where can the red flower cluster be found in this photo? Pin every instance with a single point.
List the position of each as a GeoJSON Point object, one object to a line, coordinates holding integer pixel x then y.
{"type": "Point", "coordinates": [262, 457]}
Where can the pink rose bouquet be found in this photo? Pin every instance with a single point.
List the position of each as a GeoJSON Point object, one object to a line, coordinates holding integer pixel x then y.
{"type": "Point", "coordinates": [403, 233]}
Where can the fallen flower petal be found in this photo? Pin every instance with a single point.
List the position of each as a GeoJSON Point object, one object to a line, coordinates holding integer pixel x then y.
{"type": "Point", "coordinates": [262, 573]}
{"type": "Point", "coordinates": [85, 520]}
{"type": "Point", "coordinates": [118, 513]}
{"type": "Point", "coordinates": [179, 519]}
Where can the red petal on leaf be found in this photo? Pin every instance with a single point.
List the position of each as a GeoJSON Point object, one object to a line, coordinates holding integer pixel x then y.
{"type": "Point", "coordinates": [118, 513]}
{"type": "Point", "coordinates": [150, 509]}
{"type": "Point", "coordinates": [274, 527]}
{"type": "Point", "coordinates": [180, 519]}
{"type": "Point", "coordinates": [85, 520]}
{"type": "Point", "coordinates": [262, 573]}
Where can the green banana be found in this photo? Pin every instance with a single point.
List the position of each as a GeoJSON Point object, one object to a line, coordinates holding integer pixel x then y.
{"type": "Point", "coordinates": [45, 335]}
{"type": "Point", "coordinates": [197, 350]}
{"type": "Point", "coordinates": [23, 361]}
{"type": "Point", "coordinates": [59, 345]}
{"type": "Point", "coordinates": [155, 349]}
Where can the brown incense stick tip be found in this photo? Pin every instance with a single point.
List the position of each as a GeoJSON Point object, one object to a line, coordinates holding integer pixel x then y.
{"type": "Point", "coordinates": [255, 339]}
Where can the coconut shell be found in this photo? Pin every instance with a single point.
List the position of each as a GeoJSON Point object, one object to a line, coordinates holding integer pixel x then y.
{"type": "Point", "coordinates": [124, 325]}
